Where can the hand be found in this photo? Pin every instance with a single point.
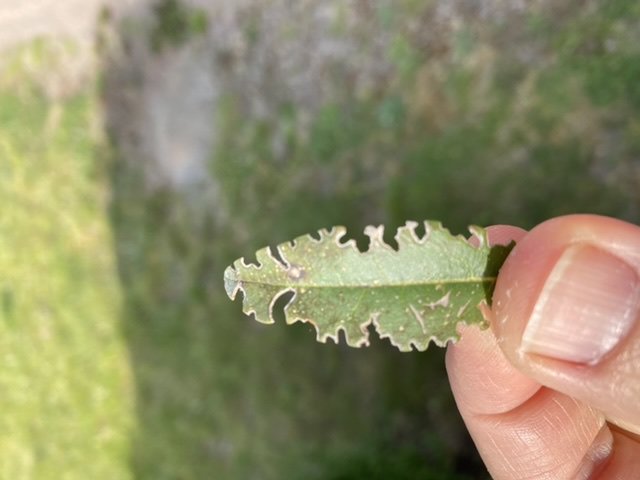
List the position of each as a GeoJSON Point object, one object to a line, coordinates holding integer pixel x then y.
{"type": "Point", "coordinates": [552, 390]}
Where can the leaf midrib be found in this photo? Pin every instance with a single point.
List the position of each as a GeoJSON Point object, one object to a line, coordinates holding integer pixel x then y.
{"type": "Point", "coordinates": [483, 280]}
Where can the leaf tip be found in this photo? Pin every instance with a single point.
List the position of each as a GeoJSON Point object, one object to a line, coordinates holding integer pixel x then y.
{"type": "Point", "coordinates": [231, 282]}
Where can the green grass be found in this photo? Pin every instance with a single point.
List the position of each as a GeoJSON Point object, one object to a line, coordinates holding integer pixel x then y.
{"type": "Point", "coordinates": [66, 396]}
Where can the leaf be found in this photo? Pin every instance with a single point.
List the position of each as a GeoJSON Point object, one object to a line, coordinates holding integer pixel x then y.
{"type": "Point", "coordinates": [413, 295]}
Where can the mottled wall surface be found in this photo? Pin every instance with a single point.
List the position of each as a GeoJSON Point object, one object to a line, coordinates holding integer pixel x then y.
{"type": "Point", "coordinates": [347, 112]}
{"type": "Point", "coordinates": [381, 88]}
{"type": "Point", "coordinates": [275, 118]}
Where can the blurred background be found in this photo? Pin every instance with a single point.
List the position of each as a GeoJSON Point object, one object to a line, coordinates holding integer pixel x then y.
{"type": "Point", "coordinates": [144, 145]}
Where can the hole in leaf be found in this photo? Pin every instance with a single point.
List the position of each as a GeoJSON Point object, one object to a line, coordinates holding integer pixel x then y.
{"type": "Point", "coordinates": [317, 235]}
{"type": "Point", "coordinates": [251, 259]}
{"type": "Point", "coordinates": [421, 231]}
{"type": "Point", "coordinates": [376, 341]}
{"type": "Point", "coordinates": [278, 306]}
{"type": "Point", "coordinates": [275, 253]}
{"type": "Point", "coordinates": [389, 238]}
{"type": "Point", "coordinates": [362, 240]}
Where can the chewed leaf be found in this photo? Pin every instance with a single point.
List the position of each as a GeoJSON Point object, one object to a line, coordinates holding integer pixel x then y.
{"type": "Point", "coordinates": [413, 295]}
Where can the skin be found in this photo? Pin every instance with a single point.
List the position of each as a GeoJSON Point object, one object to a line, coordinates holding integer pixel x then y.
{"type": "Point", "coordinates": [536, 417]}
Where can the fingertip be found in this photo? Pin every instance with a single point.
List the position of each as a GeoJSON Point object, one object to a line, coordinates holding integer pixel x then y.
{"type": "Point", "coordinates": [566, 311]}
{"type": "Point", "coordinates": [481, 378]}
{"type": "Point", "coordinates": [521, 428]}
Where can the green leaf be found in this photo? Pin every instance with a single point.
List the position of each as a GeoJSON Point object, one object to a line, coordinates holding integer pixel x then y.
{"type": "Point", "coordinates": [413, 295]}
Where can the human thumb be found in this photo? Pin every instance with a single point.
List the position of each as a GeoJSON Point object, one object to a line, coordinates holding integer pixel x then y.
{"type": "Point", "coordinates": [566, 312]}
